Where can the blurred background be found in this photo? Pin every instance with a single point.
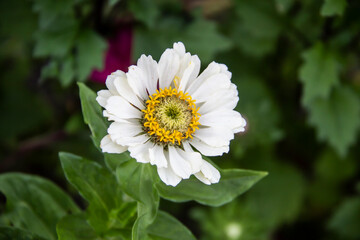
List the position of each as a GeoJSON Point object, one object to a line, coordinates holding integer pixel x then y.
{"type": "Point", "coordinates": [296, 64]}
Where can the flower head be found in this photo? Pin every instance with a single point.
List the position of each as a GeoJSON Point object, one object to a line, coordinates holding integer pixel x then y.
{"type": "Point", "coordinates": [166, 114]}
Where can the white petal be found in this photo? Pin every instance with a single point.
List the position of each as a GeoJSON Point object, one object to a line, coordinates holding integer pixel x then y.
{"type": "Point", "coordinates": [129, 141]}
{"type": "Point", "coordinates": [124, 129]}
{"type": "Point", "coordinates": [190, 73]}
{"type": "Point", "coordinates": [108, 146]}
{"type": "Point", "coordinates": [115, 118]}
{"type": "Point", "coordinates": [208, 174]}
{"type": "Point", "coordinates": [222, 99]}
{"type": "Point", "coordinates": [121, 108]}
{"type": "Point", "coordinates": [168, 176]}
{"type": "Point", "coordinates": [123, 88]}
{"type": "Point", "coordinates": [211, 86]}
{"type": "Point", "coordinates": [102, 97]}
{"type": "Point", "coordinates": [224, 69]}
{"type": "Point", "coordinates": [194, 158]}
{"type": "Point", "coordinates": [212, 69]}
{"type": "Point", "coordinates": [208, 150]}
{"type": "Point", "coordinates": [167, 68]}
{"type": "Point", "coordinates": [157, 156]}
{"type": "Point", "coordinates": [180, 166]}
{"type": "Point", "coordinates": [224, 117]}
{"type": "Point", "coordinates": [179, 48]}
{"type": "Point", "coordinates": [126, 134]}
{"type": "Point", "coordinates": [137, 81]}
{"type": "Point", "coordinates": [110, 81]}
{"type": "Point", "coordinates": [215, 136]}
{"type": "Point", "coordinates": [241, 128]}
{"type": "Point", "coordinates": [149, 67]}
{"type": "Point", "coordinates": [141, 152]}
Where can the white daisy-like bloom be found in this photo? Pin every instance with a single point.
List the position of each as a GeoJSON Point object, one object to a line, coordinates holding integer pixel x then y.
{"type": "Point", "coordinates": [166, 114]}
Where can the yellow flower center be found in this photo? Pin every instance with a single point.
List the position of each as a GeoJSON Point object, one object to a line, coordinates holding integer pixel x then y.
{"type": "Point", "coordinates": [170, 116]}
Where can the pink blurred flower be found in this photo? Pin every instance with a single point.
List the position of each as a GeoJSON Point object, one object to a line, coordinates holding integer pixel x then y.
{"type": "Point", "coordinates": [118, 55]}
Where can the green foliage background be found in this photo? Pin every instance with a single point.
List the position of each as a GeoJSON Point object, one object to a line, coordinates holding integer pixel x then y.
{"type": "Point", "coordinates": [297, 67]}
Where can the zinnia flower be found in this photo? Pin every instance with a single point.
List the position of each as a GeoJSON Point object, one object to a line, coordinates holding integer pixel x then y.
{"type": "Point", "coordinates": [165, 113]}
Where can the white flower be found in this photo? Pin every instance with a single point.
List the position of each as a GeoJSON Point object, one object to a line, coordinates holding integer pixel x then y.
{"type": "Point", "coordinates": [163, 111]}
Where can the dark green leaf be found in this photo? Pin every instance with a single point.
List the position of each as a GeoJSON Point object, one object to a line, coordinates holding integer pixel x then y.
{"type": "Point", "coordinates": [9, 233]}
{"type": "Point", "coordinates": [258, 29]}
{"type": "Point", "coordinates": [136, 179]}
{"type": "Point", "coordinates": [90, 53]}
{"type": "Point", "coordinates": [92, 114]}
{"type": "Point", "coordinates": [145, 11]}
{"type": "Point", "coordinates": [10, 13]}
{"type": "Point", "coordinates": [202, 38]}
{"type": "Point", "coordinates": [166, 226]}
{"type": "Point", "coordinates": [50, 10]}
{"type": "Point", "coordinates": [99, 187]}
{"type": "Point", "coordinates": [98, 125]}
{"type": "Point", "coordinates": [34, 203]}
{"type": "Point", "coordinates": [319, 73]}
{"type": "Point", "coordinates": [50, 70]}
{"type": "Point", "coordinates": [280, 195]}
{"type": "Point", "coordinates": [261, 112]}
{"type": "Point", "coordinates": [67, 72]}
{"type": "Point", "coordinates": [57, 40]}
{"type": "Point", "coordinates": [233, 182]}
{"type": "Point", "coordinates": [154, 41]}
{"type": "Point", "coordinates": [346, 221]}
{"type": "Point", "coordinates": [75, 227]}
{"type": "Point", "coordinates": [337, 119]}
{"type": "Point", "coordinates": [284, 5]}
{"type": "Point", "coordinates": [333, 7]}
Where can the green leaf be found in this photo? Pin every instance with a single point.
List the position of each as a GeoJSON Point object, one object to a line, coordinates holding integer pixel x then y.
{"type": "Point", "coordinates": [231, 221]}
{"type": "Point", "coordinates": [196, 39]}
{"type": "Point", "coordinates": [92, 114]}
{"type": "Point", "coordinates": [34, 203]}
{"type": "Point", "coordinates": [284, 5]}
{"type": "Point", "coordinates": [333, 7]}
{"type": "Point", "coordinates": [49, 11]}
{"type": "Point", "coordinates": [90, 53]}
{"type": "Point", "coordinates": [259, 26]}
{"type": "Point", "coordinates": [154, 41]}
{"type": "Point", "coordinates": [333, 170]}
{"type": "Point", "coordinates": [99, 187]}
{"type": "Point", "coordinates": [261, 112]}
{"type": "Point", "coordinates": [113, 2]}
{"type": "Point", "coordinates": [336, 119]}
{"type": "Point", "coordinates": [195, 36]}
{"type": "Point", "coordinates": [50, 70]}
{"type": "Point", "coordinates": [75, 227]}
{"type": "Point", "coordinates": [145, 11]}
{"type": "Point", "coordinates": [233, 182]}
{"type": "Point", "coordinates": [67, 72]}
{"type": "Point", "coordinates": [166, 226]}
{"type": "Point", "coordinates": [7, 233]}
{"type": "Point", "coordinates": [10, 26]}
{"type": "Point", "coordinates": [56, 41]}
{"type": "Point", "coordinates": [136, 179]}
{"type": "Point", "coordinates": [319, 73]}
{"type": "Point", "coordinates": [280, 195]}
{"type": "Point", "coordinates": [346, 221]}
